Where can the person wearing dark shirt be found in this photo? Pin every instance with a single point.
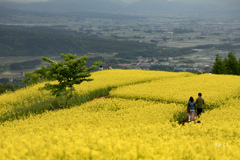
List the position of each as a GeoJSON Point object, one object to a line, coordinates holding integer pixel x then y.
{"type": "Point", "coordinates": [200, 104]}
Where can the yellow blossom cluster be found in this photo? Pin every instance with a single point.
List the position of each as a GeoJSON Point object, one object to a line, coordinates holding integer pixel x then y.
{"type": "Point", "coordinates": [122, 129]}
{"type": "Point", "coordinates": [216, 89]}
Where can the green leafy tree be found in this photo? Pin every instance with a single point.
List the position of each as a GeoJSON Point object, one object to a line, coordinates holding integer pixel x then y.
{"type": "Point", "coordinates": [229, 65]}
{"type": "Point", "coordinates": [31, 78]}
{"type": "Point", "coordinates": [239, 66]}
{"type": "Point", "coordinates": [218, 65]}
{"type": "Point", "coordinates": [224, 66]}
{"type": "Point", "coordinates": [232, 65]}
{"type": "Point", "coordinates": [67, 73]}
{"type": "Point", "coordinates": [38, 75]}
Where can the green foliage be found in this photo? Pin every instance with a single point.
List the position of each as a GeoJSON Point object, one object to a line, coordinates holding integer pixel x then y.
{"type": "Point", "coordinates": [232, 65]}
{"type": "Point", "coordinates": [179, 117]}
{"type": "Point", "coordinates": [55, 103]}
{"type": "Point", "coordinates": [39, 75]}
{"type": "Point", "coordinates": [239, 66]}
{"type": "Point", "coordinates": [67, 73]}
{"type": "Point", "coordinates": [4, 87]}
{"type": "Point", "coordinates": [2, 90]}
{"type": "Point", "coordinates": [229, 65]}
{"type": "Point", "coordinates": [224, 67]}
{"type": "Point", "coordinates": [31, 78]}
{"type": "Point", "coordinates": [218, 65]}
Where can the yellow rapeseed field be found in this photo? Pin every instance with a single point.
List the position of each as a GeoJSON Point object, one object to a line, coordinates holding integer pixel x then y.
{"type": "Point", "coordinates": [216, 89]}
{"type": "Point", "coordinates": [137, 122]}
{"type": "Point", "coordinates": [122, 129]}
{"type": "Point", "coordinates": [30, 99]}
{"type": "Point", "coordinates": [109, 79]}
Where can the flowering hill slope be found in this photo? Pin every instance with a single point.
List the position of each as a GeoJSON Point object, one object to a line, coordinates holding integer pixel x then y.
{"type": "Point", "coordinates": [137, 122]}
{"type": "Point", "coordinates": [29, 100]}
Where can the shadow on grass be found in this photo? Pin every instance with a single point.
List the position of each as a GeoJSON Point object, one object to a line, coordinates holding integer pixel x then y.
{"type": "Point", "coordinates": [40, 108]}
{"type": "Point", "coordinates": [181, 117]}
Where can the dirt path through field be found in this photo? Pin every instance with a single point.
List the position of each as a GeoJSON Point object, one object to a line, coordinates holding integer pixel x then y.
{"type": "Point", "coordinates": [105, 96]}
{"type": "Point", "coordinates": [187, 117]}
{"type": "Point", "coordinates": [182, 122]}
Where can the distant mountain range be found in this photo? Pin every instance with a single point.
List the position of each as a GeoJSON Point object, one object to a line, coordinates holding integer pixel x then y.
{"type": "Point", "coordinates": [65, 6]}
{"type": "Point", "coordinates": [144, 6]}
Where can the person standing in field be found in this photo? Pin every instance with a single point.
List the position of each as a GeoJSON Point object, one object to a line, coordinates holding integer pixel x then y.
{"type": "Point", "coordinates": [110, 67]}
{"type": "Point", "coordinates": [101, 68]}
{"type": "Point", "coordinates": [200, 104]}
{"type": "Point", "coordinates": [191, 109]}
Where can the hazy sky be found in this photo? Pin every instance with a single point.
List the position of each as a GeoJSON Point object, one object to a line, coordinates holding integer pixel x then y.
{"type": "Point", "coordinates": [224, 2]}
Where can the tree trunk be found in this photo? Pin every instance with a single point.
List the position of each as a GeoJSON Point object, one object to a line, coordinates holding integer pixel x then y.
{"type": "Point", "coordinates": [68, 97]}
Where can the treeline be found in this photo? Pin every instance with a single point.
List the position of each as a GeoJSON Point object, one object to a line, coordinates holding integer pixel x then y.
{"type": "Point", "coordinates": [4, 87]}
{"type": "Point", "coordinates": [227, 46]}
{"type": "Point", "coordinates": [155, 52]}
{"type": "Point", "coordinates": [162, 68]}
{"type": "Point", "coordinates": [15, 81]}
{"type": "Point", "coordinates": [45, 41]}
{"type": "Point", "coordinates": [25, 65]}
{"type": "Point", "coordinates": [228, 65]}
